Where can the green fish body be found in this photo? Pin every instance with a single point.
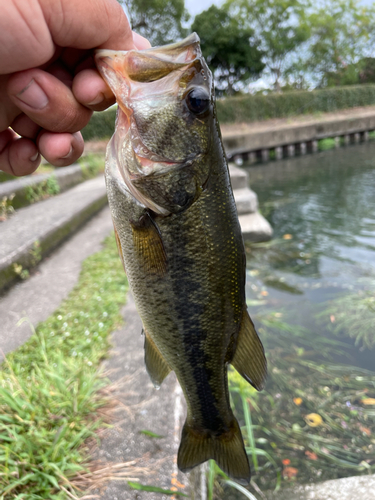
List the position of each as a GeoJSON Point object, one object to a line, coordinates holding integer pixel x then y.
{"type": "Point", "coordinates": [178, 235]}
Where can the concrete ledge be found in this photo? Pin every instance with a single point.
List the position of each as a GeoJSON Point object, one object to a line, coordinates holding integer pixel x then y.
{"type": "Point", "coordinates": [347, 488]}
{"type": "Point", "coordinates": [279, 133]}
{"type": "Point", "coordinates": [34, 231]}
{"type": "Point", "coordinates": [66, 178]}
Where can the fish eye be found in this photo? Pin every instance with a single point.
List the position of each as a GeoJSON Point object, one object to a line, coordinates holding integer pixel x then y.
{"type": "Point", "coordinates": [198, 101]}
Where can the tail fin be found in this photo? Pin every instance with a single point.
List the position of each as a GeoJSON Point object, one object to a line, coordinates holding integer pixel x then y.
{"type": "Point", "coordinates": [226, 449]}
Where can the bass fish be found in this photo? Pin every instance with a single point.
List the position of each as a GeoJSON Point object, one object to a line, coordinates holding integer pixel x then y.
{"type": "Point", "coordinates": [180, 241]}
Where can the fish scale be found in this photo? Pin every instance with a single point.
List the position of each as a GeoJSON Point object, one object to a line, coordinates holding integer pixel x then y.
{"type": "Point", "coordinates": [180, 241]}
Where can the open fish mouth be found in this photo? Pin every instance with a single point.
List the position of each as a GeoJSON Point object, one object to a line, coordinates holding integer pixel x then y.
{"type": "Point", "coordinates": [150, 88]}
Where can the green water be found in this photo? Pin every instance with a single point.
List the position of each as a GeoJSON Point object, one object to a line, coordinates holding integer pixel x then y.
{"type": "Point", "coordinates": [311, 294]}
{"type": "Point", "coordinates": [325, 204]}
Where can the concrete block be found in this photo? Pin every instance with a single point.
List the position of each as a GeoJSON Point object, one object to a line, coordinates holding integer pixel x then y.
{"type": "Point", "coordinates": [238, 177]}
{"type": "Point", "coordinates": [278, 152]}
{"type": "Point", "coordinates": [291, 150]}
{"type": "Point", "coordinates": [265, 155]}
{"type": "Point", "coordinates": [302, 148]}
{"type": "Point", "coordinates": [246, 201]}
{"type": "Point", "coordinates": [255, 227]}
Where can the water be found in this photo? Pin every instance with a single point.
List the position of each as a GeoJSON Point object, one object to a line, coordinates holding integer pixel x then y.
{"type": "Point", "coordinates": [311, 294]}
{"type": "Point", "coordinates": [325, 205]}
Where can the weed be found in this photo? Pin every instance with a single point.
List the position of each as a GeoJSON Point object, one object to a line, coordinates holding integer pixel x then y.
{"type": "Point", "coordinates": [20, 271]}
{"type": "Point", "coordinates": [6, 207]}
{"type": "Point", "coordinates": [92, 165]}
{"type": "Point", "coordinates": [45, 189]}
{"type": "Point", "coordinates": [353, 315]}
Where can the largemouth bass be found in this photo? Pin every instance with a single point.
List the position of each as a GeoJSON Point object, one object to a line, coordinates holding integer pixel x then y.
{"type": "Point", "coordinates": [179, 238]}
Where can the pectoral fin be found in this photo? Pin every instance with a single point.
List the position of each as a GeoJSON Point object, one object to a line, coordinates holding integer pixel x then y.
{"type": "Point", "coordinates": [249, 359]}
{"type": "Point", "coordinates": [119, 248]}
{"type": "Point", "coordinates": [156, 366]}
{"type": "Point", "coordinates": [149, 246]}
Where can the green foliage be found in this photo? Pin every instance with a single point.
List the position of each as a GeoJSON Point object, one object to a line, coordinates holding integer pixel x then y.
{"type": "Point", "coordinates": [6, 207]}
{"type": "Point", "coordinates": [280, 27]}
{"type": "Point", "coordinates": [49, 387]}
{"type": "Point", "coordinates": [339, 31]}
{"type": "Point", "coordinates": [160, 21]}
{"type": "Point", "coordinates": [353, 315]}
{"type": "Point", "coordinates": [262, 107]}
{"type": "Point", "coordinates": [228, 48]}
{"type": "Point", "coordinates": [101, 125]}
{"type": "Point", "coordinates": [249, 108]}
{"type": "Point", "coordinates": [92, 165]}
{"type": "Point", "coordinates": [42, 190]}
{"type": "Point", "coordinates": [154, 489]}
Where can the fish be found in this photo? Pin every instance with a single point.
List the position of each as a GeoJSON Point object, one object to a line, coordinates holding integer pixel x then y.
{"type": "Point", "coordinates": [179, 238]}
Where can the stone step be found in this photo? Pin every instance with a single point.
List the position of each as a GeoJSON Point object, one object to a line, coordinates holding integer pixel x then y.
{"type": "Point", "coordinates": [66, 178]}
{"type": "Point", "coordinates": [246, 201]}
{"type": "Point", "coordinates": [238, 177]}
{"type": "Point", "coordinates": [255, 227]}
{"type": "Point", "coordinates": [33, 231]}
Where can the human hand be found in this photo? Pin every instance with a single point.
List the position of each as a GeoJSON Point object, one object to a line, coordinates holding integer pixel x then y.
{"type": "Point", "coordinates": [48, 82]}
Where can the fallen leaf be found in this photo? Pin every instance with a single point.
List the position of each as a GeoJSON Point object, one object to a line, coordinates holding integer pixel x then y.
{"type": "Point", "coordinates": [311, 455]}
{"type": "Point", "coordinates": [287, 236]}
{"type": "Point", "coordinates": [297, 401]}
{"type": "Point", "coordinates": [365, 430]}
{"type": "Point", "coordinates": [313, 420]}
{"type": "Point", "coordinates": [289, 472]}
{"type": "Point", "coordinates": [368, 401]}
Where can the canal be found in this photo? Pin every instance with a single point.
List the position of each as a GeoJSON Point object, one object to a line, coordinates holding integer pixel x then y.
{"type": "Point", "coordinates": [311, 294]}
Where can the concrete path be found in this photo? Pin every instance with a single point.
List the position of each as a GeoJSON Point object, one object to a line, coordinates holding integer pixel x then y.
{"type": "Point", "coordinates": [142, 408]}
{"type": "Point", "coordinates": [40, 295]}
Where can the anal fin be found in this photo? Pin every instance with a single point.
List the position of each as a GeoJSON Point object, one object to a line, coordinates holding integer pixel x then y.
{"type": "Point", "coordinates": [249, 359]}
{"type": "Point", "coordinates": [156, 366]}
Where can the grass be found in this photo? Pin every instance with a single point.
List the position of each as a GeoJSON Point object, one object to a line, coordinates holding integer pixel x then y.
{"type": "Point", "coordinates": [50, 388]}
{"type": "Point", "coordinates": [92, 165]}
{"type": "Point", "coordinates": [353, 315]}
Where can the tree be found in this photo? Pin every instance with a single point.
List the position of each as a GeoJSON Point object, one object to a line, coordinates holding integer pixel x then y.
{"type": "Point", "coordinates": [231, 53]}
{"type": "Point", "coordinates": [280, 27]}
{"type": "Point", "coordinates": [160, 21]}
{"type": "Point", "coordinates": [340, 30]}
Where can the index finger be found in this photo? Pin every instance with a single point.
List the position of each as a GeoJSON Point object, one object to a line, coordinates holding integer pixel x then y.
{"type": "Point", "coordinates": [88, 24]}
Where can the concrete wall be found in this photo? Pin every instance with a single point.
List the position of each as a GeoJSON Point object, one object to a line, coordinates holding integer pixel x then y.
{"type": "Point", "coordinates": [286, 138]}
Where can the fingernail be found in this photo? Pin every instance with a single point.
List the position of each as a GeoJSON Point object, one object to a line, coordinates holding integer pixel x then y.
{"type": "Point", "coordinates": [34, 157]}
{"type": "Point", "coordinates": [70, 152]}
{"type": "Point", "coordinates": [33, 96]}
{"type": "Point", "coordinates": [98, 100]}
